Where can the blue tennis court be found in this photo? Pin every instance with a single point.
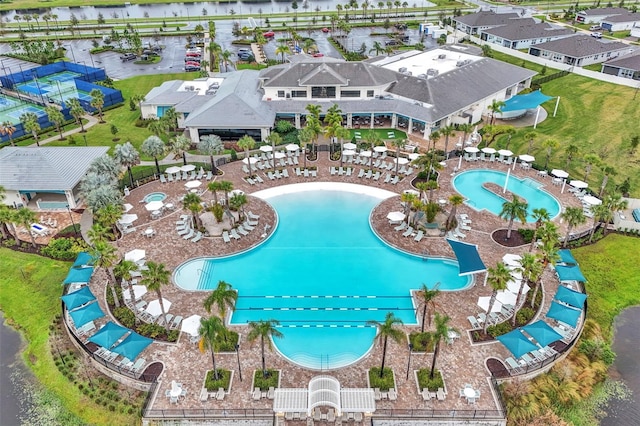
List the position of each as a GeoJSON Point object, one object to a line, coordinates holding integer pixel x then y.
{"type": "Point", "coordinates": [63, 76]}
{"type": "Point", "coordinates": [6, 102]}
{"type": "Point", "coordinates": [25, 109]}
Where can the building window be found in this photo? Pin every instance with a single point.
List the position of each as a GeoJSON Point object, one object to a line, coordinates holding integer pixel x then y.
{"type": "Point", "coordinates": [369, 93]}
{"type": "Point", "coordinates": [323, 92]}
{"type": "Point", "coordinates": [281, 93]}
{"type": "Point", "coordinates": [298, 93]}
{"type": "Point", "coordinates": [350, 93]}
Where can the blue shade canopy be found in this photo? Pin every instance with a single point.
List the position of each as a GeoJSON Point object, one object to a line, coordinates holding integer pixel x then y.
{"type": "Point", "coordinates": [528, 101]}
{"type": "Point", "coordinates": [81, 275]}
{"type": "Point", "coordinates": [542, 333]}
{"type": "Point", "coordinates": [566, 257]}
{"type": "Point", "coordinates": [570, 297]}
{"type": "Point", "coordinates": [88, 313]}
{"type": "Point", "coordinates": [564, 313]}
{"type": "Point", "coordinates": [83, 259]}
{"type": "Point", "coordinates": [108, 335]}
{"type": "Point", "coordinates": [570, 273]}
{"type": "Point", "coordinates": [468, 257]}
{"type": "Point", "coordinates": [78, 298]}
{"type": "Point", "coordinates": [517, 343]}
{"type": "Point", "coordinates": [132, 346]}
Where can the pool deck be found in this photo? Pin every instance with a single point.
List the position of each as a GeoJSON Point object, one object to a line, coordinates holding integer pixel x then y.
{"type": "Point", "coordinates": [462, 362]}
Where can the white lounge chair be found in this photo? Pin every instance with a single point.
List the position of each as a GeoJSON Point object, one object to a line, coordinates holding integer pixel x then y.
{"type": "Point", "coordinates": [234, 234]}
{"type": "Point", "coordinates": [242, 231]}
{"type": "Point", "coordinates": [474, 322]}
{"type": "Point", "coordinates": [419, 236]}
{"type": "Point", "coordinates": [250, 215]}
{"type": "Point", "coordinates": [225, 237]}
{"type": "Point", "coordinates": [189, 235]}
{"type": "Point", "coordinates": [197, 238]}
{"type": "Point", "coordinates": [408, 232]}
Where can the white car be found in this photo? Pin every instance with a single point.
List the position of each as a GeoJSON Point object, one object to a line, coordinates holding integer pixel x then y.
{"type": "Point", "coordinates": [596, 35]}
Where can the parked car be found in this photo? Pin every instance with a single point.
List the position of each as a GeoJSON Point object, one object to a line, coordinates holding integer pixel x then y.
{"type": "Point", "coordinates": [192, 64]}
{"type": "Point", "coordinates": [193, 54]}
{"type": "Point", "coordinates": [128, 57]}
{"type": "Point", "coordinates": [391, 43]}
{"type": "Point", "coordinates": [192, 59]}
{"type": "Point", "coordinates": [246, 56]}
{"type": "Point", "coordinates": [594, 28]}
{"type": "Point", "coordinates": [269, 34]}
{"type": "Point", "coordinates": [325, 30]}
{"type": "Point", "coordinates": [188, 67]}
{"type": "Point", "coordinates": [596, 34]}
{"type": "Point", "coordinates": [318, 55]}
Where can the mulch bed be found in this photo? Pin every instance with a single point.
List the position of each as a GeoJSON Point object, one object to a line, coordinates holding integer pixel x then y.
{"type": "Point", "coordinates": [497, 368]}
{"type": "Point", "coordinates": [500, 237]}
{"type": "Point", "coordinates": [152, 372]}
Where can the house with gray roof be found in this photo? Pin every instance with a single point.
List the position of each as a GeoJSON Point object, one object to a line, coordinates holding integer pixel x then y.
{"type": "Point", "coordinates": [579, 50]}
{"type": "Point", "coordinates": [597, 15]}
{"type": "Point", "coordinates": [45, 178]}
{"type": "Point", "coordinates": [521, 35]}
{"type": "Point", "coordinates": [474, 23]}
{"type": "Point", "coordinates": [627, 66]}
{"type": "Point", "coordinates": [622, 22]}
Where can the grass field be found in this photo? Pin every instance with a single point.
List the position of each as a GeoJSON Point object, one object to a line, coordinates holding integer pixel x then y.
{"type": "Point", "coordinates": [29, 297]}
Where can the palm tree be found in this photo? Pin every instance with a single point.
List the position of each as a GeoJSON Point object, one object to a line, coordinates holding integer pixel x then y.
{"type": "Point", "coordinates": [423, 188]}
{"type": "Point", "coordinates": [6, 220]}
{"type": "Point", "coordinates": [571, 152]}
{"type": "Point", "coordinates": [97, 101]}
{"type": "Point", "coordinates": [455, 200]}
{"type": "Point", "coordinates": [446, 132]}
{"type": "Point", "coordinates": [171, 116]}
{"type": "Point", "coordinates": [427, 300]}
{"type": "Point", "coordinates": [154, 147]}
{"type": "Point", "coordinates": [590, 160]}
{"type": "Point", "coordinates": [385, 330]}
{"type": "Point", "coordinates": [512, 210]}
{"type": "Point", "coordinates": [540, 215]}
{"type": "Point", "coordinates": [226, 57]}
{"type": "Point", "coordinates": [99, 233]}
{"type": "Point", "coordinates": [441, 332]}
{"type": "Point", "coordinates": [26, 217]}
{"type": "Point", "coordinates": [224, 296]}
{"type": "Point", "coordinates": [237, 202]}
{"type": "Point", "coordinates": [531, 137]}
{"type": "Point", "coordinates": [601, 215]}
{"type": "Point", "coordinates": [377, 47]}
{"type": "Point", "coordinates": [282, 49]}
{"type": "Point", "coordinates": [30, 124]}
{"type": "Point", "coordinates": [275, 140]}
{"type": "Point", "coordinates": [126, 155]}
{"type": "Point", "coordinates": [549, 144]}
{"type": "Point", "coordinates": [399, 144]}
{"type": "Point", "coordinates": [210, 145]}
{"type": "Point", "coordinates": [123, 270]}
{"type": "Point", "coordinates": [246, 143]}
{"type": "Point", "coordinates": [210, 329]}
{"type": "Point", "coordinates": [76, 110]}
{"type": "Point", "coordinates": [531, 269]}
{"type": "Point", "coordinates": [154, 278]}
{"type": "Point", "coordinates": [179, 146]}
{"type": "Point", "coordinates": [192, 202]}
{"type": "Point", "coordinates": [7, 128]}
{"type": "Point", "coordinates": [574, 217]}
{"type": "Point", "coordinates": [106, 256]}
{"type": "Point", "coordinates": [265, 330]}
{"type": "Point", "coordinates": [495, 107]}
{"type": "Point", "coordinates": [305, 136]}
{"type": "Point", "coordinates": [56, 117]}
{"type": "Point", "coordinates": [497, 278]}
{"type": "Point", "coordinates": [606, 172]}
{"type": "Point", "coordinates": [214, 187]}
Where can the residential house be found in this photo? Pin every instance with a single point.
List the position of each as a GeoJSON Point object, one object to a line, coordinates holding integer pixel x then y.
{"type": "Point", "coordinates": [621, 22]}
{"type": "Point", "coordinates": [627, 66]}
{"type": "Point", "coordinates": [596, 16]}
{"type": "Point", "coordinates": [474, 23]}
{"type": "Point", "coordinates": [521, 35]}
{"type": "Point", "coordinates": [579, 50]}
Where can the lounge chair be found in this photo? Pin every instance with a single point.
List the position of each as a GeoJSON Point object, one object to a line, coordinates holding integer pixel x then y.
{"type": "Point", "coordinates": [334, 171]}
{"type": "Point", "coordinates": [184, 231]}
{"type": "Point", "coordinates": [465, 227]}
{"type": "Point", "coordinates": [250, 215]}
{"type": "Point", "coordinates": [163, 179]}
{"type": "Point", "coordinates": [252, 223]}
{"type": "Point", "coordinates": [376, 176]}
{"type": "Point", "coordinates": [259, 179]}
{"type": "Point", "coordinates": [256, 394]}
{"type": "Point", "coordinates": [234, 234]}
{"type": "Point", "coordinates": [306, 173]}
{"type": "Point", "coordinates": [513, 364]}
{"type": "Point", "coordinates": [138, 366]}
{"type": "Point", "coordinates": [248, 227]}
{"type": "Point", "coordinates": [200, 174]}
{"type": "Point", "coordinates": [225, 237]}
{"type": "Point", "coordinates": [419, 236]}
{"type": "Point", "coordinates": [250, 181]}
{"type": "Point", "coordinates": [313, 173]}
{"type": "Point", "coordinates": [271, 392]}
{"type": "Point", "coordinates": [242, 231]}
{"type": "Point", "coordinates": [209, 175]}
{"type": "Point", "coordinates": [408, 232]}
{"type": "Point", "coordinates": [426, 395]}
{"type": "Point", "coordinates": [270, 175]}
{"type": "Point", "coordinates": [277, 174]}
{"type": "Point", "coordinates": [220, 394]}
{"type": "Point", "coordinates": [197, 238]}
{"type": "Point", "coordinates": [349, 171]}
{"type": "Point", "coordinates": [169, 178]}
{"type": "Point", "coordinates": [400, 227]}
{"type": "Point", "coordinates": [340, 171]}
{"type": "Point", "coordinates": [377, 395]}
{"type": "Point", "coordinates": [474, 322]}
{"type": "Point", "coordinates": [189, 235]}
{"type": "Point", "coordinates": [192, 176]}
{"type": "Point", "coordinates": [298, 172]}
{"type": "Point", "coordinates": [527, 358]}
{"type": "Point", "coordinates": [440, 395]}
{"type": "Point", "coordinates": [285, 173]}
{"type": "Point", "coordinates": [393, 395]}
{"type": "Point", "coordinates": [395, 180]}
{"type": "Point", "coordinates": [176, 322]}
{"type": "Point", "coordinates": [361, 173]}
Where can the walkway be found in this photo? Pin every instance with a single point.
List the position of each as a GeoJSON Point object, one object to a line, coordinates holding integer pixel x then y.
{"type": "Point", "coordinates": [91, 121]}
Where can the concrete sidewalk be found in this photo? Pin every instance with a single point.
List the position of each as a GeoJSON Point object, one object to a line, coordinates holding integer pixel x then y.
{"type": "Point", "coordinates": [91, 121]}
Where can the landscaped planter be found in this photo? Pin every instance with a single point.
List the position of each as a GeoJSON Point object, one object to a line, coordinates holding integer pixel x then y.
{"type": "Point", "coordinates": [226, 384]}
{"type": "Point", "coordinates": [266, 387]}
{"type": "Point", "coordinates": [433, 388]}
{"type": "Point", "coordinates": [390, 385]}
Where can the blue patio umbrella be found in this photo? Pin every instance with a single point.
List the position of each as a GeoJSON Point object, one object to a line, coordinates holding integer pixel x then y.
{"type": "Point", "coordinates": [517, 343]}
{"type": "Point", "coordinates": [78, 275]}
{"type": "Point", "coordinates": [570, 297]}
{"type": "Point", "coordinates": [570, 273]}
{"type": "Point", "coordinates": [78, 298]}
{"type": "Point", "coordinates": [566, 257]}
{"type": "Point", "coordinates": [542, 333]}
{"type": "Point", "coordinates": [85, 314]}
{"type": "Point", "coordinates": [83, 259]}
{"type": "Point", "coordinates": [108, 335]}
{"type": "Point", "coordinates": [132, 345]}
{"type": "Point", "coordinates": [564, 313]}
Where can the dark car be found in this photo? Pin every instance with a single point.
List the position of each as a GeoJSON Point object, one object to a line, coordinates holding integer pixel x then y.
{"type": "Point", "coordinates": [128, 57]}
{"type": "Point", "coordinates": [189, 67]}
{"type": "Point", "coordinates": [246, 56]}
{"type": "Point", "coordinates": [391, 43]}
{"type": "Point", "coordinates": [192, 59]}
{"type": "Point", "coordinates": [405, 39]}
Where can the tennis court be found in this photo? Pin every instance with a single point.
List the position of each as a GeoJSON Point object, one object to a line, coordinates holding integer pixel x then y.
{"type": "Point", "coordinates": [62, 76]}
{"type": "Point", "coordinates": [58, 92]}
{"type": "Point", "coordinates": [11, 109]}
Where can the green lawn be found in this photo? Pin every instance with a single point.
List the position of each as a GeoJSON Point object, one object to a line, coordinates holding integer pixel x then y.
{"type": "Point", "coordinates": [29, 296]}
{"type": "Point", "coordinates": [382, 133]}
{"type": "Point", "coordinates": [613, 277]}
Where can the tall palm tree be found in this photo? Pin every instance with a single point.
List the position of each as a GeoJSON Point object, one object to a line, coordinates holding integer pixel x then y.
{"type": "Point", "coordinates": [427, 297]}
{"type": "Point", "coordinates": [398, 144]}
{"type": "Point", "coordinates": [97, 101]}
{"type": "Point", "coordinates": [601, 215]}
{"type": "Point", "coordinates": [387, 329]}
{"type": "Point", "coordinates": [192, 202]}
{"type": "Point", "coordinates": [423, 188]}
{"type": "Point", "coordinates": [497, 278]}
{"type": "Point", "coordinates": [30, 124]}
{"type": "Point", "coordinates": [495, 107]}
{"type": "Point", "coordinates": [571, 151]}
{"type": "Point", "coordinates": [540, 215]}
{"type": "Point", "coordinates": [224, 296]}
{"type": "Point", "coordinates": [126, 155]}
{"type": "Point", "coordinates": [99, 233]}
{"type": "Point", "coordinates": [265, 330]}
{"type": "Point", "coordinates": [246, 143]}
{"type": "Point", "coordinates": [226, 57]}
{"type": "Point", "coordinates": [6, 221]}
{"type": "Point", "coordinates": [590, 160]}
{"type": "Point", "coordinates": [154, 147]}
{"type": "Point", "coordinates": [154, 278]}
{"type": "Point", "coordinates": [25, 217]}
{"type": "Point", "coordinates": [305, 136]}
{"type": "Point", "coordinates": [282, 49]}
{"type": "Point", "coordinates": [512, 210]}
{"type": "Point", "coordinates": [531, 269]}
{"type": "Point", "coordinates": [530, 137]}
{"type": "Point", "coordinates": [211, 145]}
{"type": "Point", "coordinates": [377, 48]}
{"type": "Point", "coordinates": [549, 144]}
{"type": "Point", "coordinates": [56, 117]}
{"type": "Point", "coordinates": [210, 329]}
{"type": "Point", "coordinates": [574, 216]}
{"type": "Point", "coordinates": [123, 271]}
{"type": "Point", "coordinates": [226, 187]}
{"type": "Point", "coordinates": [275, 140]}
{"type": "Point", "coordinates": [455, 200]}
{"type": "Point", "coordinates": [607, 171]}
{"type": "Point", "coordinates": [214, 187]}
{"type": "Point", "coordinates": [446, 132]}
{"type": "Point", "coordinates": [7, 128]}
{"type": "Point", "coordinates": [441, 332]}
{"type": "Point", "coordinates": [77, 111]}
{"type": "Point", "coordinates": [106, 256]}
{"type": "Point", "coordinates": [179, 146]}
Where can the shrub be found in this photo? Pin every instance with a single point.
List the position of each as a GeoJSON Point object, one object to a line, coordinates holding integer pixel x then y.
{"type": "Point", "coordinates": [151, 330]}
{"type": "Point", "coordinates": [524, 315]}
{"type": "Point", "coordinates": [499, 329]}
{"type": "Point", "coordinates": [422, 342]}
{"type": "Point", "coordinates": [527, 234]}
{"type": "Point", "coordinates": [597, 350]}
{"type": "Point", "coordinates": [173, 336]}
{"type": "Point", "coordinates": [226, 341]}
{"type": "Point", "coordinates": [284, 126]}
{"type": "Point", "coordinates": [223, 382]}
{"type": "Point", "coordinates": [264, 383]}
{"type": "Point", "coordinates": [125, 316]}
{"type": "Point", "coordinates": [432, 384]}
{"type": "Point", "coordinates": [385, 382]}
{"type": "Point", "coordinates": [64, 248]}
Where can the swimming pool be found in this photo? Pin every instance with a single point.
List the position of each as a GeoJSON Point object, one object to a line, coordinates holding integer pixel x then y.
{"type": "Point", "coordinates": [155, 196]}
{"type": "Point", "coordinates": [470, 185]}
{"type": "Point", "coordinates": [323, 274]}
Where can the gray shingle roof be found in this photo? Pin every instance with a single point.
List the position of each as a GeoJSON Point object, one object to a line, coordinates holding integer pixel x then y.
{"type": "Point", "coordinates": [627, 17]}
{"type": "Point", "coordinates": [521, 31]}
{"type": "Point", "coordinates": [630, 61]}
{"type": "Point", "coordinates": [357, 74]}
{"type": "Point", "coordinates": [604, 11]}
{"type": "Point", "coordinates": [167, 94]}
{"type": "Point", "coordinates": [486, 18]}
{"type": "Point", "coordinates": [46, 168]}
{"type": "Point", "coordinates": [579, 46]}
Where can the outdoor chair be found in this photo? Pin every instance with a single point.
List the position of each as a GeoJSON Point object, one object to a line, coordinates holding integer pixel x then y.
{"type": "Point", "coordinates": [313, 173]}
{"type": "Point", "coordinates": [258, 179]}
{"type": "Point", "coordinates": [225, 237]}
{"type": "Point", "coordinates": [285, 173]}
{"type": "Point", "coordinates": [474, 323]}
{"type": "Point", "coordinates": [349, 171]}
{"type": "Point", "coordinates": [298, 172]}
{"type": "Point", "coordinates": [250, 215]}
{"type": "Point", "coordinates": [408, 232]}
{"type": "Point", "coordinates": [419, 236]}
{"type": "Point", "coordinates": [400, 227]}
{"type": "Point", "coordinates": [163, 179]}
{"type": "Point", "coordinates": [393, 395]}
{"type": "Point", "coordinates": [197, 238]}
{"type": "Point", "coordinates": [176, 322]}
{"type": "Point", "coordinates": [256, 394]}
{"type": "Point", "coordinates": [376, 394]}
{"type": "Point", "coordinates": [200, 174]}
{"type": "Point", "coordinates": [209, 175]}
{"type": "Point", "coordinates": [189, 235]}
{"type": "Point", "coordinates": [234, 234]}
{"type": "Point", "coordinates": [395, 180]}
{"type": "Point", "coordinates": [333, 171]}
{"type": "Point", "coordinates": [426, 395]}
{"type": "Point", "coordinates": [242, 231]}
{"type": "Point", "coordinates": [361, 173]}
{"type": "Point", "coordinates": [220, 394]}
{"type": "Point", "coordinates": [169, 177]}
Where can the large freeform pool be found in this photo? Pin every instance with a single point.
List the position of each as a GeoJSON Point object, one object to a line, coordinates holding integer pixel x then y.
{"type": "Point", "coordinates": [323, 274]}
{"type": "Point", "coordinates": [470, 185]}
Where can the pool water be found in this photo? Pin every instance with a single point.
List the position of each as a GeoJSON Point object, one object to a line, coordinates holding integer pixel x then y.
{"type": "Point", "coordinates": [155, 196]}
{"type": "Point", "coordinates": [469, 185]}
{"type": "Point", "coordinates": [323, 274]}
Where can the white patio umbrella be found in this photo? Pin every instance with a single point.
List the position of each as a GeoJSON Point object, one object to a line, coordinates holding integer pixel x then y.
{"type": "Point", "coordinates": [266, 148]}
{"type": "Point", "coordinates": [579, 184]}
{"type": "Point", "coordinates": [193, 184]}
{"type": "Point", "coordinates": [126, 207]}
{"type": "Point", "coordinates": [126, 219]}
{"type": "Point", "coordinates": [279, 155]}
{"type": "Point", "coordinates": [511, 259]}
{"type": "Point", "coordinates": [483, 302]}
{"type": "Point", "coordinates": [590, 199]}
{"type": "Point", "coordinates": [188, 168]}
{"type": "Point", "coordinates": [365, 153]}
{"type": "Point", "coordinates": [154, 205]}
{"type": "Point", "coordinates": [414, 156]}
{"type": "Point", "coordinates": [135, 255]}
{"type": "Point", "coordinates": [505, 153]}
{"type": "Point", "coordinates": [471, 149]}
{"type": "Point", "coordinates": [396, 216]}
{"type": "Point", "coordinates": [173, 169]}
{"type": "Point", "coordinates": [516, 274]}
{"type": "Point", "coordinates": [191, 325]}
{"type": "Point", "coordinates": [349, 145]}
{"type": "Point", "coordinates": [559, 173]}
{"type": "Point", "coordinates": [154, 307]}
{"type": "Point", "coordinates": [411, 191]}
{"type": "Point", "coordinates": [236, 192]}
{"type": "Point", "coordinates": [292, 147]}
{"type": "Point", "coordinates": [514, 286]}
{"type": "Point", "coordinates": [401, 160]}
{"type": "Point", "coordinates": [348, 152]}
{"type": "Point", "coordinates": [380, 148]}
{"type": "Point", "coordinates": [527, 158]}
{"type": "Point", "coordinates": [139, 291]}
{"type": "Point", "coordinates": [506, 297]}
{"type": "Point", "coordinates": [488, 150]}
{"type": "Point", "coordinates": [250, 160]}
